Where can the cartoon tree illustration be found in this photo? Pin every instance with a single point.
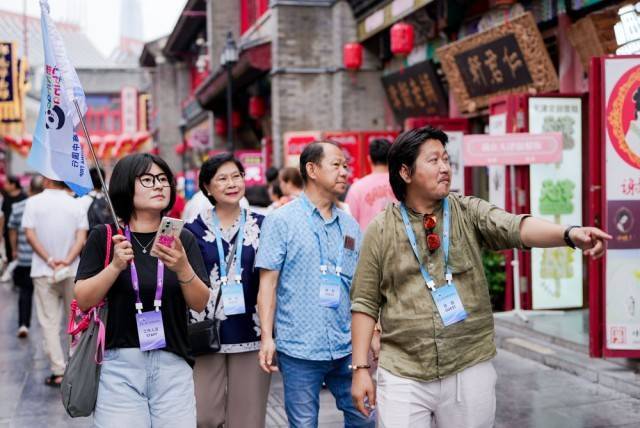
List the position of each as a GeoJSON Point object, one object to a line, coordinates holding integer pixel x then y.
{"type": "Point", "coordinates": [556, 199]}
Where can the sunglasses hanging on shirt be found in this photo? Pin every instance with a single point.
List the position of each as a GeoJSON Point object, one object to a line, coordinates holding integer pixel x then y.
{"type": "Point", "coordinates": [429, 223]}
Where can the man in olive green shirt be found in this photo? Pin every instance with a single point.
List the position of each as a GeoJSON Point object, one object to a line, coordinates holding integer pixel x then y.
{"type": "Point", "coordinates": [436, 319]}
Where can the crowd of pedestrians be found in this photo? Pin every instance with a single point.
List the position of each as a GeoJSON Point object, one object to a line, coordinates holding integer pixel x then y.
{"type": "Point", "coordinates": [318, 290]}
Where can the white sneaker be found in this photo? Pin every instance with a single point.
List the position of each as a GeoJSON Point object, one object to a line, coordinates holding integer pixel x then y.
{"type": "Point", "coordinates": [8, 272]}
{"type": "Point", "coordinates": [23, 331]}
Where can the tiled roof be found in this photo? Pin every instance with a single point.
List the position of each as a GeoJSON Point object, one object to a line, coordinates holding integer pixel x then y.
{"type": "Point", "coordinates": [81, 51]}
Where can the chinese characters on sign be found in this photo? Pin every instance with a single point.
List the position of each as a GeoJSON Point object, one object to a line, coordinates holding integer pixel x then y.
{"type": "Point", "coordinates": [10, 108]}
{"type": "Point", "coordinates": [415, 91]}
{"type": "Point", "coordinates": [77, 156]}
{"type": "Point", "coordinates": [493, 67]}
{"type": "Point", "coordinates": [510, 58]}
{"type": "Point", "coordinates": [621, 81]}
{"type": "Point", "coordinates": [512, 149]}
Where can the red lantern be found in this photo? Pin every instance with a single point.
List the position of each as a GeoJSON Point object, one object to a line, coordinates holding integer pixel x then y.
{"type": "Point", "coordinates": [401, 38]}
{"type": "Point", "coordinates": [352, 56]}
{"type": "Point", "coordinates": [220, 125]}
{"type": "Point", "coordinates": [256, 107]}
{"type": "Point", "coordinates": [236, 120]}
{"type": "Point", "coordinates": [179, 148]}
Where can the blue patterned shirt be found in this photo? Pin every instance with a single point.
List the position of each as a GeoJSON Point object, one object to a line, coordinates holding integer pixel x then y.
{"type": "Point", "coordinates": [304, 328]}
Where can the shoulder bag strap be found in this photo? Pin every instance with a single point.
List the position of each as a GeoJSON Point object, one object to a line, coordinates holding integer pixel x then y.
{"type": "Point", "coordinates": [232, 251]}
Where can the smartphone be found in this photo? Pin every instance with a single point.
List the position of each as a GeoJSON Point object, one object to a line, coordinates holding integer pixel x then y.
{"type": "Point", "coordinates": [168, 232]}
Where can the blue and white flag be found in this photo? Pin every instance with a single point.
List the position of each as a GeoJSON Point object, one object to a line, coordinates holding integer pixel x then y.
{"type": "Point", "coordinates": [56, 151]}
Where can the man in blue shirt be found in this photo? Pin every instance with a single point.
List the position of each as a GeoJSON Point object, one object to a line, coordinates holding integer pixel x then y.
{"type": "Point", "coordinates": [307, 256]}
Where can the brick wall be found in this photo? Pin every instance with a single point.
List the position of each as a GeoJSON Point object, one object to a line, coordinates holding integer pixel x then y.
{"type": "Point", "coordinates": [310, 90]}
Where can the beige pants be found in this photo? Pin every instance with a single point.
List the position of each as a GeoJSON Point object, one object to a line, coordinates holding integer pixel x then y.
{"type": "Point", "coordinates": [52, 301]}
{"type": "Point", "coordinates": [464, 400]}
{"type": "Point", "coordinates": [231, 389]}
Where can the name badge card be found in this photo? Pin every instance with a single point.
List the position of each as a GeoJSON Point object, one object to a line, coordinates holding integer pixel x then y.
{"type": "Point", "coordinates": [330, 290]}
{"type": "Point", "coordinates": [233, 298]}
{"type": "Point", "coordinates": [449, 304]}
{"type": "Point", "coordinates": [150, 330]}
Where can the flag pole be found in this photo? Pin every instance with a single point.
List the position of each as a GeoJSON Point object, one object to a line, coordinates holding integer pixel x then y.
{"type": "Point", "coordinates": [97, 163]}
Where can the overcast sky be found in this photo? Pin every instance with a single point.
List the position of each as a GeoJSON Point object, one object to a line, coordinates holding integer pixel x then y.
{"type": "Point", "coordinates": [101, 18]}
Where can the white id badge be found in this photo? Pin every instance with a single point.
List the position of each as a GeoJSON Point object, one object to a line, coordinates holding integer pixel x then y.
{"type": "Point", "coordinates": [449, 304]}
{"type": "Point", "coordinates": [330, 290]}
{"type": "Point", "coordinates": [233, 298]}
{"type": "Point", "coordinates": [150, 330]}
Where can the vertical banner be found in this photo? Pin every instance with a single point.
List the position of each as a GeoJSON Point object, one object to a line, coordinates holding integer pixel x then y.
{"type": "Point", "coordinates": [556, 195]}
{"type": "Point", "coordinates": [129, 109]}
{"type": "Point", "coordinates": [497, 173]}
{"type": "Point", "coordinates": [622, 201]}
{"type": "Point", "coordinates": [10, 108]}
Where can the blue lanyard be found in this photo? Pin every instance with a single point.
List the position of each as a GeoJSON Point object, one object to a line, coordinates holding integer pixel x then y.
{"type": "Point", "coordinates": [314, 229]}
{"type": "Point", "coordinates": [240, 236]}
{"type": "Point", "coordinates": [445, 243]}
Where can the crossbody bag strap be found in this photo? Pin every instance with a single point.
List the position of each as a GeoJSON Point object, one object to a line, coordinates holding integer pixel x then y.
{"type": "Point", "coordinates": [232, 251]}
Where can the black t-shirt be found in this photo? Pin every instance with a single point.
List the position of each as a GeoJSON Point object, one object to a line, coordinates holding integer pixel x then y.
{"type": "Point", "coordinates": [121, 323]}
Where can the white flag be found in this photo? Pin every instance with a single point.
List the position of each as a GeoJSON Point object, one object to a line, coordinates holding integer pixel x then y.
{"type": "Point", "coordinates": [56, 151]}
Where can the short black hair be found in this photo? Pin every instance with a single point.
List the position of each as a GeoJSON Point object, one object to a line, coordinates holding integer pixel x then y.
{"type": "Point", "coordinates": [122, 185]}
{"type": "Point", "coordinates": [95, 179]}
{"type": "Point", "coordinates": [271, 174]}
{"type": "Point", "coordinates": [209, 169]}
{"type": "Point", "coordinates": [313, 153]}
{"type": "Point", "coordinates": [379, 151]}
{"type": "Point", "coordinates": [15, 181]}
{"type": "Point", "coordinates": [405, 150]}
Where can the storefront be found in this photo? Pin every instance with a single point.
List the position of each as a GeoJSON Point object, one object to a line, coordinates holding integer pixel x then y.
{"type": "Point", "coordinates": [507, 67]}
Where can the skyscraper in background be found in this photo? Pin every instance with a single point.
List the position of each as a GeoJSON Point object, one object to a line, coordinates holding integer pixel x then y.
{"type": "Point", "coordinates": [131, 34]}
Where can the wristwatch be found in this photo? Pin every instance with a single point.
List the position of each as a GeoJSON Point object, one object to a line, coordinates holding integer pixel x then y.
{"type": "Point", "coordinates": [567, 239]}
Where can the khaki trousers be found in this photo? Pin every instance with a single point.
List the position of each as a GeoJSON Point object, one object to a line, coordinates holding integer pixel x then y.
{"type": "Point", "coordinates": [463, 400]}
{"type": "Point", "coordinates": [231, 391]}
{"type": "Point", "coordinates": [52, 301]}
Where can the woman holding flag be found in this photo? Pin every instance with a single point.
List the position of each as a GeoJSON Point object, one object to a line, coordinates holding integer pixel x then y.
{"type": "Point", "coordinates": [146, 375]}
{"type": "Point", "coordinates": [146, 379]}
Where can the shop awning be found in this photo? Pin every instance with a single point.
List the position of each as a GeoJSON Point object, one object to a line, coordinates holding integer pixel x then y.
{"type": "Point", "coordinates": [252, 63]}
{"type": "Point", "coordinates": [108, 146]}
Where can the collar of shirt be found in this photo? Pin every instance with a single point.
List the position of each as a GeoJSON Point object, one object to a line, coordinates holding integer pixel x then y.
{"type": "Point", "coordinates": [308, 203]}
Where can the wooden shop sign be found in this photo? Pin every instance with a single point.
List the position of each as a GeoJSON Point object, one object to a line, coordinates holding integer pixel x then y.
{"type": "Point", "coordinates": [415, 91]}
{"type": "Point", "coordinates": [510, 58]}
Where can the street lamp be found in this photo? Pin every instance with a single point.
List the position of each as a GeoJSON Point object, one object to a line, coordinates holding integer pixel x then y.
{"type": "Point", "coordinates": [182, 125]}
{"type": "Point", "coordinates": [228, 59]}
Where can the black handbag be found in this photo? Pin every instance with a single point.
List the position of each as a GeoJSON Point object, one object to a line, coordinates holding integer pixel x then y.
{"type": "Point", "coordinates": [204, 336]}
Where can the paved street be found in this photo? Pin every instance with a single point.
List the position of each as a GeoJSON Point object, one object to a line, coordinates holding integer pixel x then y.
{"type": "Point", "coordinates": [529, 394]}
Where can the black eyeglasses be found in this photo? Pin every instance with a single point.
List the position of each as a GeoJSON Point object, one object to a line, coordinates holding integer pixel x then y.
{"type": "Point", "coordinates": [149, 180]}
